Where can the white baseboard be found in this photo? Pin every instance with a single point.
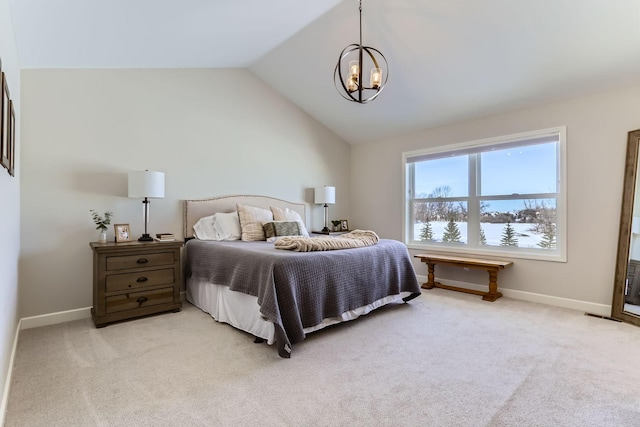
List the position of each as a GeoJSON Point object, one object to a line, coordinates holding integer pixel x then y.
{"type": "Point", "coordinates": [55, 318]}
{"type": "Point", "coordinates": [589, 307]}
{"type": "Point", "coordinates": [63, 316]}
{"type": "Point", "coordinates": [7, 384]}
{"type": "Point", "coordinates": [34, 322]}
{"type": "Point", "coordinates": [599, 309]}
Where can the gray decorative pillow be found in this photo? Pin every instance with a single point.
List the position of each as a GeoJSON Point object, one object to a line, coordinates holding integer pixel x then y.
{"type": "Point", "coordinates": [281, 228]}
{"type": "Point", "coordinates": [287, 214]}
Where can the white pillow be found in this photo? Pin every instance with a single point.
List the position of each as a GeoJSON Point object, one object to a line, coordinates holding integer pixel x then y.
{"type": "Point", "coordinates": [203, 229]}
{"type": "Point", "coordinates": [287, 214]}
{"type": "Point", "coordinates": [220, 226]}
{"type": "Point", "coordinates": [227, 226]}
{"type": "Point", "coordinates": [251, 220]}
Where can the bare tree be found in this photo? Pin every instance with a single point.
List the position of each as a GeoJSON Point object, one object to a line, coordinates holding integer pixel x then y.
{"type": "Point", "coordinates": [440, 209]}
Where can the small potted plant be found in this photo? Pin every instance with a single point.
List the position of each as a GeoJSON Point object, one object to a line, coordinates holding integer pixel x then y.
{"type": "Point", "coordinates": [336, 225]}
{"type": "Point", "coordinates": [101, 224]}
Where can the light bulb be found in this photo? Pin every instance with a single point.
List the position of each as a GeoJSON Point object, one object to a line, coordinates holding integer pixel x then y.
{"type": "Point", "coordinates": [354, 69]}
{"type": "Point", "coordinates": [352, 84]}
{"type": "Point", "coordinates": [376, 78]}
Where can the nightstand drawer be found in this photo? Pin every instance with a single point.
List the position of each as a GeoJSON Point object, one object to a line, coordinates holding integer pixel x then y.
{"type": "Point", "coordinates": [135, 300]}
{"type": "Point", "coordinates": [142, 279]}
{"type": "Point", "coordinates": [139, 261]}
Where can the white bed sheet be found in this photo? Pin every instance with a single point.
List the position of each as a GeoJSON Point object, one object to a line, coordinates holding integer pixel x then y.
{"type": "Point", "coordinates": [242, 311]}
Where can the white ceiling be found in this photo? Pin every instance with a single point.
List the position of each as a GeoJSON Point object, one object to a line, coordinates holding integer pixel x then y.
{"type": "Point", "coordinates": [155, 33]}
{"type": "Point", "coordinates": [449, 60]}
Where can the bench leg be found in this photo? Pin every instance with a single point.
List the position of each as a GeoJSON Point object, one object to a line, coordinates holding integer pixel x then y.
{"type": "Point", "coordinates": [493, 293]}
{"type": "Point", "coordinates": [431, 278]}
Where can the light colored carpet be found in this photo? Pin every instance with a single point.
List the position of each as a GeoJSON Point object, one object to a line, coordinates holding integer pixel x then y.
{"type": "Point", "coordinates": [444, 359]}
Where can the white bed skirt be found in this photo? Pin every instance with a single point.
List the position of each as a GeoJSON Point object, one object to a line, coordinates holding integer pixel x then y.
{"type": "Point", "coordinates": [242, 311]}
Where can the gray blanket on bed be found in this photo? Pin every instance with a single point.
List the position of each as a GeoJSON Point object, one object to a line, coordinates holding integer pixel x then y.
{"type": "Point", "coordinates": [297, 290]}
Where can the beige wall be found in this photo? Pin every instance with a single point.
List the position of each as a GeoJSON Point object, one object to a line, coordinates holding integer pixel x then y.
{"type": "Point", "coordinates": [9, 210]}
{"type": "Point", "coordinates": [212, 131]}
{"type": "Point", "coordinates": [597, 129]}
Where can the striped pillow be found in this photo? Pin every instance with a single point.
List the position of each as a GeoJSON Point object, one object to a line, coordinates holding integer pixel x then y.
{"type": "Point", "coordinates": [281, 228]}
{"type": "Point", "coordinates": [251, 220]}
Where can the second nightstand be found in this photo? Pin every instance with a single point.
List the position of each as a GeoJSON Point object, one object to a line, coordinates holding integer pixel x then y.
{"type": "Point", "coordinates": [330, 233]}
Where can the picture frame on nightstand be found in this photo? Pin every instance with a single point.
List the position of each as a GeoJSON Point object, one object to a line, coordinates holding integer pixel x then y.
{"type": "Point", "coordinates": [344, 225]}
{"type": "Point", "coordinates": [123, 233]}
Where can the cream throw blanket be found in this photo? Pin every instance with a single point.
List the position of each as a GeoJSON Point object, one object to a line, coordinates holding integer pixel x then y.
{"type": "Point", "coordinates": [353, 239]}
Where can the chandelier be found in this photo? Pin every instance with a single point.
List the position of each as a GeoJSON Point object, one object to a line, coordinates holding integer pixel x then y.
{"type": "Point", "coordinates": [347, 75]}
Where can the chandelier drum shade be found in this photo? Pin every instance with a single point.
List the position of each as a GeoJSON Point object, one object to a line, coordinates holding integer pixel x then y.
{"type": "Point", "coordinates": [348, 75]}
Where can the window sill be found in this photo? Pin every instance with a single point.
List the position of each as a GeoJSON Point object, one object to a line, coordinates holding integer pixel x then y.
{"type": "Point", "coordinates": [536, 255]}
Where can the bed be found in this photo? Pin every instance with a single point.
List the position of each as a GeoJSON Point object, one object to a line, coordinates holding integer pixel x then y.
{"type": "Point", "coordinates": [280, 296]}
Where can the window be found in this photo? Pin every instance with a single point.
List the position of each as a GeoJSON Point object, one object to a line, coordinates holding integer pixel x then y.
{"type": "Point", "coordinates": [502, 195]}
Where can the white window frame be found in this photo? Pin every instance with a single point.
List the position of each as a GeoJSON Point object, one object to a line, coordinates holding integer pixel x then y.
{"type": "Point", "coordinates": [557, 255]}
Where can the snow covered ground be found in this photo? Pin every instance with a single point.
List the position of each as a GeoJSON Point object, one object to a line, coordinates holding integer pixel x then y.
{"type": "Point", "coordinates": [493, 233]}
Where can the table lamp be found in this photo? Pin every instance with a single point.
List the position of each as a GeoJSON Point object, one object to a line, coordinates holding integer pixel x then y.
{"type": "Point", "coordinates": [325, 195]}
{"type": "Point", "coordinates": [147, 184]}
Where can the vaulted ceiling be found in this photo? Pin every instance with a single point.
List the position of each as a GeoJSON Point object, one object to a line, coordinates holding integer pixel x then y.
{"type": "Point", "coordinates": [449, 60]}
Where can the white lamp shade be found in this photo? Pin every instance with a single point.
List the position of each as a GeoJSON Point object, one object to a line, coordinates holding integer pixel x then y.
{"type": "Point", "coordinates": [325, 195]}
{"type": "Point", "coordinates": [146, 184]}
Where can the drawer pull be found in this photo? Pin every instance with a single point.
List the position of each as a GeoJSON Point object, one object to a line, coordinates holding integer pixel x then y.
{"type": "Point", "coordinates": [141, 279]}
{"type": "Point", "coordinates": [142, 261]}
{"type": "Point", "coordinates": [141, 300]}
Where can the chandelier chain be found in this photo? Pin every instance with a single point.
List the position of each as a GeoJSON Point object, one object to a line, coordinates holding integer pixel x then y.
{"type": "Point", "coordinates": [351, 86]}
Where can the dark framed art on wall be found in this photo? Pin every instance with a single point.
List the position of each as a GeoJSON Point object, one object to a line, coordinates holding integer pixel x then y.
{"type": "Point", "coordinates": [4, 123]}
{"type": "Point", "coordinates": [12, 139]}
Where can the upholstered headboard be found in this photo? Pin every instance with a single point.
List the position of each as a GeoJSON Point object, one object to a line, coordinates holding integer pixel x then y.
{"type": "Point", "coordinates": [196, 209]}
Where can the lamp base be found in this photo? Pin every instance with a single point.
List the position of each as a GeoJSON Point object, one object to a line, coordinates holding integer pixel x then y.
{"type": "Point", "coordinates": [325, 230]}
{"type": "Point", "coordinates": [145, 238]}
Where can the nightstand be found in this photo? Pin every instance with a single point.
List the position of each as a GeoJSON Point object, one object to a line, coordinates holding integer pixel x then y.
{"type": "Point", "coordinates": [133, 279]}
{"type": "Point", "coordinates": [330, 233]}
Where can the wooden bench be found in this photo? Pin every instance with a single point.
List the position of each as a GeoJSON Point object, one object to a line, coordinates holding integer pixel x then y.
{"type": "Point", "coordinates": [492, 266]}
